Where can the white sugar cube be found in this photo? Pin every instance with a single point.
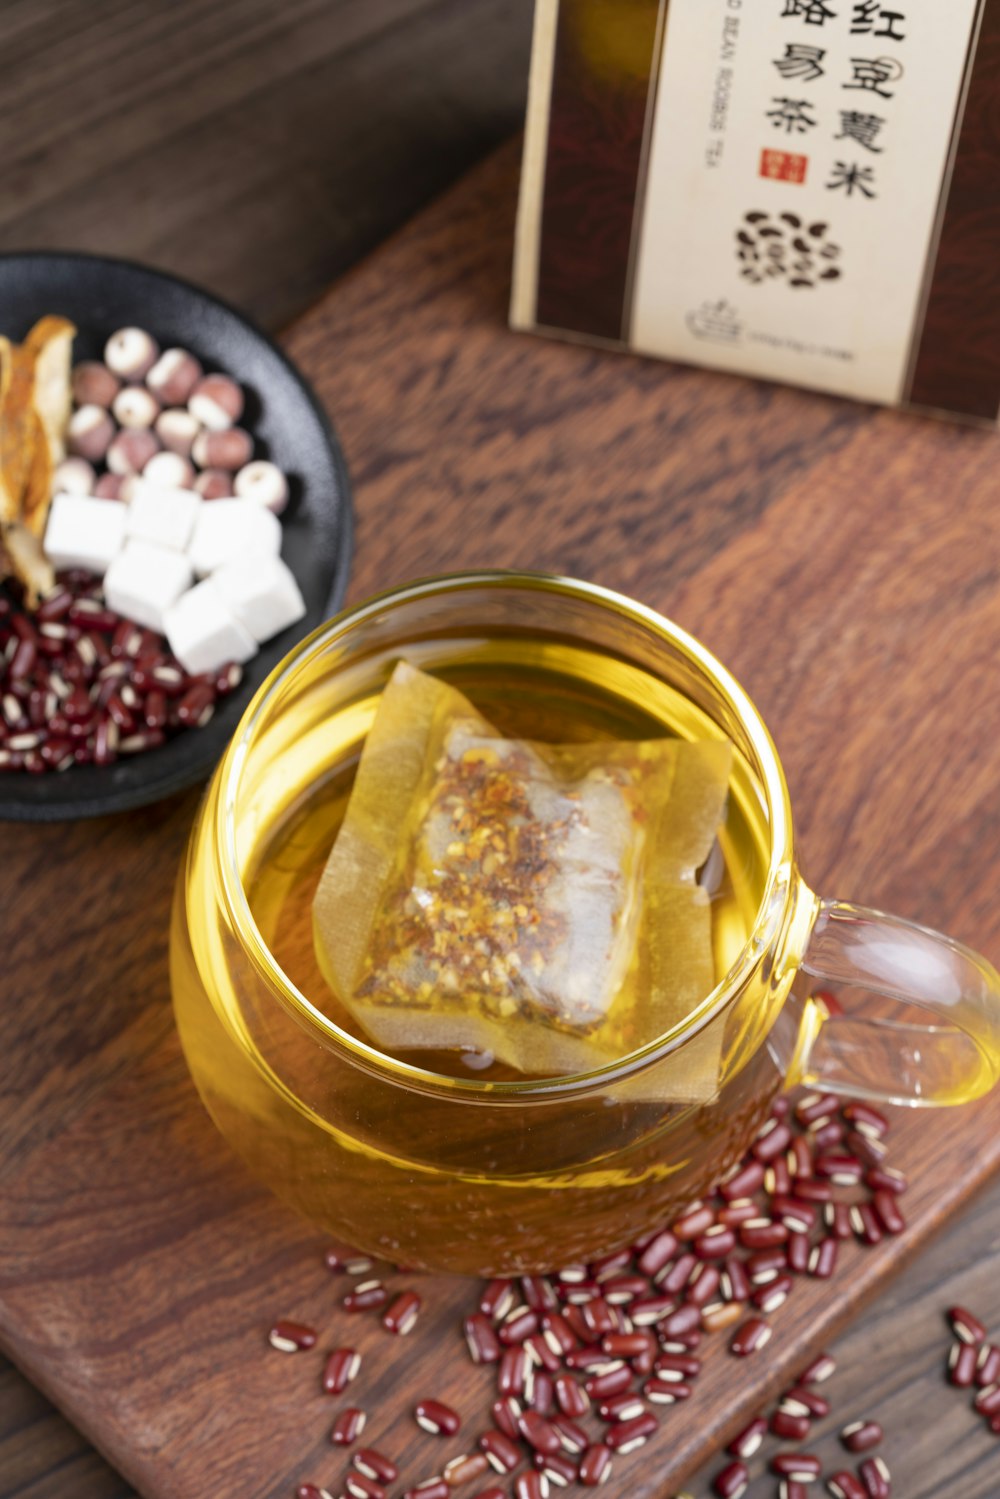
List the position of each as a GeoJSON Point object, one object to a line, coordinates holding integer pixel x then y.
{"type": "Point", "coordinates": [84, 532]}
{"type": "Point", "coordinates": [262, 593]}
{"type": "Point", "coordinates": [227, 529]}
{"type": "Point", "coordinates": [143, 581]}
{"type": "Point", "coordinates": [163, 517]}
{"type": "Point", "coordinates": [202, 632]}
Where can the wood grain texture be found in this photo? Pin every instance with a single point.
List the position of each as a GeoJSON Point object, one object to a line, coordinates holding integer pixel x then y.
{"type": "Point", "coordinates": [256, 148]}
{"type": "Point", "coordinates": [816, 546]}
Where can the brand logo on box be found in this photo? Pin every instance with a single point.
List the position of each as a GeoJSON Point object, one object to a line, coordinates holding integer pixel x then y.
{"type": "Point", "coordinates": [718, 321]}
{"type": "Point", "coordinates": [783, 166]}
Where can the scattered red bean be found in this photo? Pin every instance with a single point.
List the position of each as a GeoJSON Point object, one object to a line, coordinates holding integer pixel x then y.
{"type": "Point", "coordinates": [789, 1427]}
{"type": "Point", "coordinates": [342, 1366]}
{"type": "Point", "coordinates": [360, 1487]}
{"type": "Point", "coordinates": [987, 1364]}
{"type": "Point", "coordinates": [751, 1337]}
{"type": "Point", "coordinates": [436, 1417]}
{"type": "Point", "coordinates": [348, 1426]}
{"type": "Point", "coordinates": [507, 1414]}
{"type": "Point", "coordinates": [531, 1486]}
{"type": "Point", "coordinates": [962, 1362]}
{"type": "Point", "coordinates": [861, 1436]}
{"type": "Point", "coordinates": [365, 1297]}
{"type": "Point", "coordinates": [820, 1370]}
{"type": "Point", "coordinates": [595, 1465]}
{"type": "Point", "coordinates": [749, 1440]}
{"type": "Point", "coordinates": [965, 1326]}
{"type": "Point", "coordinates": [572, 1438]}
{"type": "Point", "coordinates": [659, 1391]}
{"type": "Point", "coordinates": [501, 1451]}
{"type": "Point", "coordinates": [481, 1340]}
{"type": "Point", "coordinates": [846, 1486]}
{"type": "Point", "coordinates": [802, 1466]}
{"type": "Point", "coordinates": [624, 1436]}
{"type": "Point", "coordinates": [556, 1467]}
{"type": "Point", "coordinates": [538, 1432]}
{"type": "Point", "coordinates": [464, 1469]}
{"type": "Point", "coordinates": [987, 1402]}
{"type": "Point", "coordinates": [374, 1464]}
{"type": "Point", "coordinates": [290, 1337]}
{"type": "Point", "coordinates": [803, 1401]}
{"type": "Point", "coordinates": [400, 1317]}
{"type": "Point", "coordinates": [732, 1481]}
{"type": "Point", "coordinates": [874, 1474]}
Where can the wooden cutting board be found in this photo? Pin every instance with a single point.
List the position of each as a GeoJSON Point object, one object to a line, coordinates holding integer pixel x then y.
{"type": "Point", "coordinates": [844, 561]}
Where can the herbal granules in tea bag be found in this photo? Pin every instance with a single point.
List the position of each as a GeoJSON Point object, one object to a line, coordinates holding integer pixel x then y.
{"type": "Point", "coordinates": [534, 902]}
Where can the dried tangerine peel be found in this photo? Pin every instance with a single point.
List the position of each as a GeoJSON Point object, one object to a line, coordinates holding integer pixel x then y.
{"type": "Point", "coordinates": [508, 897]}
{"type": "Point", "coordinates": [34, 412]}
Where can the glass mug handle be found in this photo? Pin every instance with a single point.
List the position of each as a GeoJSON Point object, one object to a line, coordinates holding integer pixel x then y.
{"type": "Point", "coordinates": [926, 1032]}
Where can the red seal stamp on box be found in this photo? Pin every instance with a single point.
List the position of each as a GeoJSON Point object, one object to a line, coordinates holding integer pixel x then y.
{"type": "Point", "coordinates": [783, 166]}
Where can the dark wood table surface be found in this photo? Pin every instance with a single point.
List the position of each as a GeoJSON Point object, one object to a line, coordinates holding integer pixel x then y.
{"type": "Point", "coordinates": [262, 149]}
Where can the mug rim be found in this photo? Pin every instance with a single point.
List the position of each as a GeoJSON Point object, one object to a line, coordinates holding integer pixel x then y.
{"type": "Point", "coordinates": [368, 1056]}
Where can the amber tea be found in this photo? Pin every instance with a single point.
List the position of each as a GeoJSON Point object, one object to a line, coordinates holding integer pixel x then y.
{"type": "Point", "coordinates": [544, 692]}
{"type": "Point", "coordinates": [434, 1149]}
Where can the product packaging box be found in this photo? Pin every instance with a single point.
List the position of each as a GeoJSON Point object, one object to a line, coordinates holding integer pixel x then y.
{"type": "Point", "coordinates": [803, 190]}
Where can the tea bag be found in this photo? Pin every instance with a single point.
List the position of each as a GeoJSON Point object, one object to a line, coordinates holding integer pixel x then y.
{"type": "Point", "coordinates": [536, 902]}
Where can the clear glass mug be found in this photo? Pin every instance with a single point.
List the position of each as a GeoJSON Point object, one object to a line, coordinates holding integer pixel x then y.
{"type": "Point", "coordinates": [458, 1174]}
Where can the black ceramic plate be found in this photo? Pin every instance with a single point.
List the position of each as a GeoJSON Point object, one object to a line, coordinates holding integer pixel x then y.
{"type": "Point", "coordinates": [288, 425]}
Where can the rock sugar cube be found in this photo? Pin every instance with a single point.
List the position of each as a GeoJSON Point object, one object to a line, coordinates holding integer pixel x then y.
{"type": "Point", "coordinates": [262, 594]}
{"type": "Point", "coordinates": [227, 529]}
{"type": "Point", "coordinates": [85, 532]}
{"type": "Point", "coordinates": [143, 581]}
{"type": "Point", "coordinates": [202, 631]}
{"type": "Point", "coordinates": [163, 517]}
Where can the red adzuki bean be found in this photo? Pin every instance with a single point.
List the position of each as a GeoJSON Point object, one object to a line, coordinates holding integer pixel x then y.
{"type": "Point", "coordinates": [754, 1335]}
{"type": "Point", "coordinates": [502, 1453]}
{"type": "Point", "coordinates": [660, 1391]}
{"type": "Point", "coordinates": [341, 1368]}
{"type": "Point", "coordinates": [365, 1297]}
{"type": "Point", "coordinates": [802, 1466]}
{"type": "Point", "coordinates": [464, 1469]}
{"type": "Point", "coordinates": [506, 1414]}
{"type": "Point", "coordinates": [789, 1427]}
{"type": "Point", "coordinates": [531, 1486]}
{"type": "Point", "coordinates": [657, 1253]}
{"type": "Point", "coordinates": [436, 1417]}
{"type": "Point", "coordinates": [820, 1370]}
{"type": "Point", "coordinates": [861, 1436]}
{"type": "Point", "coordinates": [965, 1326]}
{"type": "Point", "coordinates": [374, 1464]}
{"type": "Point", "coordinates": [806, 1401]}
{"type": "Point", "coordinates": [595, 1465]}
{"type": "Point", "coordinates": [401, 1315]}
{"type": "Point", "coordinates": [572, 1438]}
{"type": "Point", "coordinates": [482, 1341]}
{"type": "Point", "coordinates": [732, 1481]}
{"type": "Point", "coordinates": [625, 1436]}
{"type": "Point", "coordinates": [846, 1486]}
{"type": "Point", "coordinates": [874, 1474]}
{"type": "Point", "coordinates": [290, 1337]}
{"type": "Point", "coordinates": [348, 1426]}
{"type": "Point", "coordinates": [557, 1467]}
{"type": "Point", "coordinates": [962, 1362]}
{"type": "Point", "coordinates": [539, 1433]}
{"type": "Point", "coordinates": [987, 1364]}
{"type": "Point", "coordinates": [749, 1440]}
